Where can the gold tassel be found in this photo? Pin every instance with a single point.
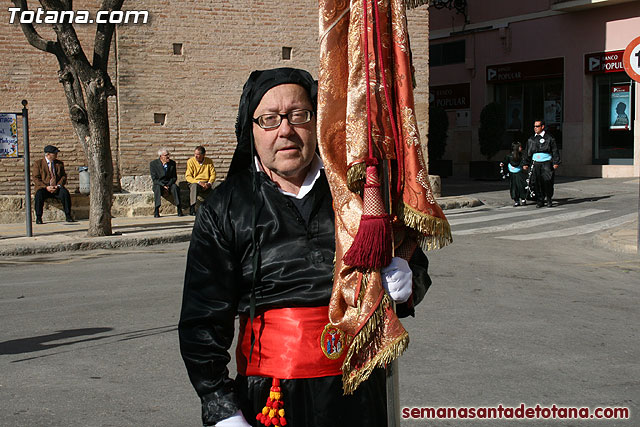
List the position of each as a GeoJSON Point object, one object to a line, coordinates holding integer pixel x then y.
{"type": "Point", "coordinates": [356, 176]}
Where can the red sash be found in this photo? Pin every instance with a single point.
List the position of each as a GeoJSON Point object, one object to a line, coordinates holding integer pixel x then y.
{"type": "Point", "coordinates": [289, 344]}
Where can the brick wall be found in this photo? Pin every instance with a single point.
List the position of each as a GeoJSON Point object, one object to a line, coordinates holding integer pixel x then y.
{"type": "Point", "coordinates": [222, 42]}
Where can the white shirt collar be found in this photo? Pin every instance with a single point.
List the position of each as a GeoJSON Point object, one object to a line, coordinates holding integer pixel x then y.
{"type": "Point", "coordinates": [541, 133]}
{"type": "Point", "coordinates": [309, 181]}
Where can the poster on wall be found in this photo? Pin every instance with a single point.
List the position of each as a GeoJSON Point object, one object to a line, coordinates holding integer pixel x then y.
{"type": "Point", "coordinates": [514, 114]}
{"type": "Point", "coordinates": [620, 107]}
{"type": "Point", "coordinates": [8, 135]}
{"type": "Point", "coordinates": [552, 112]}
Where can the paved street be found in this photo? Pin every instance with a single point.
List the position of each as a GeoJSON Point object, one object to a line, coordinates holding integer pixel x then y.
{"type": "Point", "coordinates": [525, 307]}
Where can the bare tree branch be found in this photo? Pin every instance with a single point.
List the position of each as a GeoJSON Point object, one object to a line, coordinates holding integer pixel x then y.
{"type": "Point", "coordinates": [32, 35]}
{"type": "Point", "coordinates": [69, 41]}
{"type": "Point", "coordinates": [104, 34]}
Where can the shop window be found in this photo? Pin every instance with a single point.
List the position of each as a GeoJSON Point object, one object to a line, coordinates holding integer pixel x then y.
{"type": "Point", "coordinates": [446, 53]}
{"type": "Point", "coordinates": [526, 102]}
{"type": "Point", "coordinates": [613, 112]}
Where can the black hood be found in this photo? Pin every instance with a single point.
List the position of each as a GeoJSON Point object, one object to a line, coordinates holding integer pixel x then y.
{"type": "Point", "coordinates": [257, 85]}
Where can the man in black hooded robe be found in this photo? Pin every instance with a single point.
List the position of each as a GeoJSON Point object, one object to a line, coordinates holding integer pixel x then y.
{"type": "Point", "coordinates": [262, 248]}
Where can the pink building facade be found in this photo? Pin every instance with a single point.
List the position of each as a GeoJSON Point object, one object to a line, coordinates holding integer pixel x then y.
{"type": "Point", "coordinates": [559, 61]}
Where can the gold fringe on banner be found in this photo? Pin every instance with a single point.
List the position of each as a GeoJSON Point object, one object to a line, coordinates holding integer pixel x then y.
{"type": "Point", "coordinates": [435, 233]}
{"type": "Point", "coordinates": [366, 343]}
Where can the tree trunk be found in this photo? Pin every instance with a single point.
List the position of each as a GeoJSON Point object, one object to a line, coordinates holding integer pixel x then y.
{"type": "Point", "coordinates": [99, 157]}
{"type": "Point", "coordinates": [88, 111]}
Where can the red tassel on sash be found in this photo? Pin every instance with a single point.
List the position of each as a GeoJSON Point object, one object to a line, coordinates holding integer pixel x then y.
{"type": "Point", "coordinates": [273, 412]}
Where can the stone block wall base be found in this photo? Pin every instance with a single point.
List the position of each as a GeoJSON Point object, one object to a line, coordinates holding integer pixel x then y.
{"type": "Point", "coordinates": [12, 208]}
{"type": "Point", "coordinates": [436, 185]}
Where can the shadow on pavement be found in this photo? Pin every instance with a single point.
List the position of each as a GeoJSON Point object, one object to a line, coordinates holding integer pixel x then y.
{"type": "Point", "coordinates": [463, 186]}
{"type": "Point", "coordinates": [33, 344]}
{"type": "Point", "coordinates": [572, 201]}
{"type": "Point", "coordinates": [38, 343]}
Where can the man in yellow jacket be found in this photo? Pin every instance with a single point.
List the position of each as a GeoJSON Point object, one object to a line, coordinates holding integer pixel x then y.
{"type": "Point", "coordinates": [200, 175]}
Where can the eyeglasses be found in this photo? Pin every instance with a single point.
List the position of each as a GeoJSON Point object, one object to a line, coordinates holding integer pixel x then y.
{"type": "Point", "coordinates": [537, 126]}
{"type": "Point", "coordinates": [273, 120]}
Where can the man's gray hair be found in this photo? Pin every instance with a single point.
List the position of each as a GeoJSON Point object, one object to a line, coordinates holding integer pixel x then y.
{"type": "Point", "coordinates": [163, 150]}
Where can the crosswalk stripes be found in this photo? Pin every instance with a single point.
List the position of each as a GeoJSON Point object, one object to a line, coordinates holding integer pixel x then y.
{"type": "Point", "coordinates": [548, 217]}
{"type": "Point", "coordinates": [486, 218]}
{"type": "Point", "coordinates": [580, 229]}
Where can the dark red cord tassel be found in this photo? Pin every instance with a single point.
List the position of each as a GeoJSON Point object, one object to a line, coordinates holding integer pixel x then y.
{"type": "Point", "coordinates": [372, 245]}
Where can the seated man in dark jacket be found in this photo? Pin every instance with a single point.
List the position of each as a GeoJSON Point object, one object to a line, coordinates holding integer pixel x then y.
{"type": "Point", "coordinates": [164, 177]}
{"type": "Point", "coordinates": [49, 179]}
{"type": "Point", "coordinates": [262, 248]}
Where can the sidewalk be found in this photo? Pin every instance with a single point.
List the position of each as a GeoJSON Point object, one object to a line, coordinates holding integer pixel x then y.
{"type": "Point", "coordinates": [63, 236]}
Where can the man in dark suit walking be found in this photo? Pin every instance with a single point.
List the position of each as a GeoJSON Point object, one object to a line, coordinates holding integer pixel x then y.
{"type": "Point", "coordinates": [164, 177]}
{"type": "Point", "coordinates": [49, 179]}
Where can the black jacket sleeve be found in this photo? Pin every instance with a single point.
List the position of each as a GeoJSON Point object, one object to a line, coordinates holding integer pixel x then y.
{"type": "Point", "coordinates": [209, 306]}
{"type": "Point", "coordinates": [173, 175]}
{"type": "Point", "coordinates": [555, 153]}
{"type": "Point", "coordinates": [419, 264]}
{"type": "Point", "coordinates": [526, 153]}
{"type": "Point", "coordinates": [153, 171]}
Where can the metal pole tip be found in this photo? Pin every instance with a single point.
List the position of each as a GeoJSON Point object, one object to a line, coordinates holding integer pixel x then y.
{"type": "Point", "coordinates": [24, 102]}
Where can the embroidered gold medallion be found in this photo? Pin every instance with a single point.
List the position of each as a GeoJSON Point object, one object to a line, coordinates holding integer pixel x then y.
{"type": "Point", "coordinates": [332, 342]}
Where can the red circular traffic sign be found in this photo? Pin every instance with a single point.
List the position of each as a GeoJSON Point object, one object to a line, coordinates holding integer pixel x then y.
{"type": "Point", "coordinates": [631, 59]}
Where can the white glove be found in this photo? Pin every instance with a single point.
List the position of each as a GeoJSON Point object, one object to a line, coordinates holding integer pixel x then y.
{"type": "Point", "coordinates": [236, 420]}
{"type": "Point", "coordinates": [397, 279]}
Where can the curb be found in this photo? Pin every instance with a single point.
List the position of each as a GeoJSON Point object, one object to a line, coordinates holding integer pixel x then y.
{"type": "Point", "coordinates": [455, 202]}
{"type": "Point", "coordinates": [607, 241]}
{"type": "Point", "coordinates": [108, 242]}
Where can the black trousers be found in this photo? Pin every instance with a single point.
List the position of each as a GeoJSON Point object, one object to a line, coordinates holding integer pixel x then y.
{"type": "Point", "coordinates": [543, 174]}
{"type": "Point", "coordinates": [318, 402]}
{"type": "Point", "coordinates": [157, 194]}
{"type": "Point", "coordinates": [61, 194]}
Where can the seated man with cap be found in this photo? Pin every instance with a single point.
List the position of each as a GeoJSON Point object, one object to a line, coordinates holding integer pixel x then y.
{"type": "Point", "coordinates": [49, 178]}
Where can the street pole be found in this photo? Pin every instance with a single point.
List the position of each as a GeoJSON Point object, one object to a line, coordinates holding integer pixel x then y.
{"type": "Point", "coordinates": [27, 169]}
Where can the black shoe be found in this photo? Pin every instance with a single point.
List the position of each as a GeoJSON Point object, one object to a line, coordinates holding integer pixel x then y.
{"type": "Point", "coordinates": [180, 211]}
{"type": "Point", "coordinates": [549, 203]}
{"type": "Point", "coordinates": [192, 210]}
{"type": "Point", "coordinates": [69, 219]}
{"type": "Point", "coordinates": [539, 204]}
{"type": "Point", "coordinates": [39, 221]}
{"type": "Point", "coordinates": [156, 212]}
{"type": "Point", "coordinates": [517, 203]}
